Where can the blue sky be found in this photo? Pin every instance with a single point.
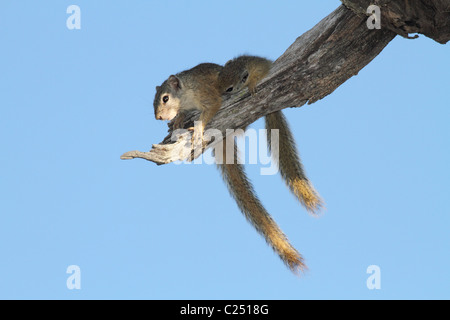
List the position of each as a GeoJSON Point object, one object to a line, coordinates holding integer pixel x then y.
{"type": "Point", "coordinates": [72, 101]}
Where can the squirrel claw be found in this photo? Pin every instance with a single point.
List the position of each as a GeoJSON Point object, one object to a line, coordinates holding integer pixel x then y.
{"type": "Point", "coordinates": [252, 90]}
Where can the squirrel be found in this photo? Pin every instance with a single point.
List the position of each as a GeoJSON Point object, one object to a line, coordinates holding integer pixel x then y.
{"type": "Point", "coordinates": [198, 88]}
{"type": "Point", "coordinates": [247, 71]}
{"type": "Point", "coordinates": [193, 89]}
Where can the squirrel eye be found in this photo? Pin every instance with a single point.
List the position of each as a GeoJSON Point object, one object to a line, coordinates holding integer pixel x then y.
{"type": "Point", "coordinates": [165, 99]}
{"type": "Point", "coordinates": [229, 89]}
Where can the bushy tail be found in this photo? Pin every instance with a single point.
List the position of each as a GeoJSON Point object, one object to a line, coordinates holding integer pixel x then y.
{"type": "Point", "coordinates": [242, 191]}
{"type": "Point", "coordinates": [291, 168]}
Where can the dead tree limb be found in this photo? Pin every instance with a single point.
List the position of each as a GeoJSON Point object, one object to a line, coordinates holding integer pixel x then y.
{"type": "Point", "coordinates": [315, 65]}
{"type": "Point", "coordinates": [428, 17]}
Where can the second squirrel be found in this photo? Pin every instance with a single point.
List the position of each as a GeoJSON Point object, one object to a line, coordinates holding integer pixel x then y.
{"type": "Point", "coordinates": [247, 71]}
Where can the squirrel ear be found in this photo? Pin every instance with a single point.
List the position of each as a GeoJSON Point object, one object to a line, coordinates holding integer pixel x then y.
{"type": "Point", "coordinates": [228, 62]}
{"type": "Point", "coordinates": [157, 88]}
{"type": "Point", "coordinates": [174, 82]}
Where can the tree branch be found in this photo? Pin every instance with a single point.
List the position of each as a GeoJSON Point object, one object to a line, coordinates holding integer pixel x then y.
{"type": "Point", "coordinates": [428, 17]}
{"type": "Point", "coordinates": [315, 65]}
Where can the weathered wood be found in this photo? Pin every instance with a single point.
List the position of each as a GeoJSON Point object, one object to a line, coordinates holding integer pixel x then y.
{"type": "Point", "coordinates": [428, 17]}
{"type": "Point", "coordinates": [315, 65]}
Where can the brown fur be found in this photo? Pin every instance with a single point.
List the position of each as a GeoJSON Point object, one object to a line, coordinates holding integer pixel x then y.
{"type": "Point", "coordinates": [291, 168]}
{"type": "Point", "coordinates": [247, 71]}
{"type": "Point", "coordinates": [198, 88]}
{"type": "Point", "coordinates": [192, 89]}
{"type": "Point", "coordinates": [242, 191]}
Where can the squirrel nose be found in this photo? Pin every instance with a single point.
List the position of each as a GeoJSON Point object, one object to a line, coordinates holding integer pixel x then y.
{"type": "Point", "coordinates": [159, 118]}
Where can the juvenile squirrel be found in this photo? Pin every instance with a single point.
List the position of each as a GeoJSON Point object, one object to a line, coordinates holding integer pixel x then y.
{"type": "Point", "coordinates": [198, 88]}
{"type": "Point", "coordinates": [188, 90]}
{"type": "Point", "coordinates": [247, 71]}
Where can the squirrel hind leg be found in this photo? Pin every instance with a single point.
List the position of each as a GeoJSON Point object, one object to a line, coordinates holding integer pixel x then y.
{"type": "Point", "coordinates": [251, 85]}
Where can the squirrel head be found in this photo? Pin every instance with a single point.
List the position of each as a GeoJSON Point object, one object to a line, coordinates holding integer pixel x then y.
{"type": "Point", "coordinates": [167, 102]}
